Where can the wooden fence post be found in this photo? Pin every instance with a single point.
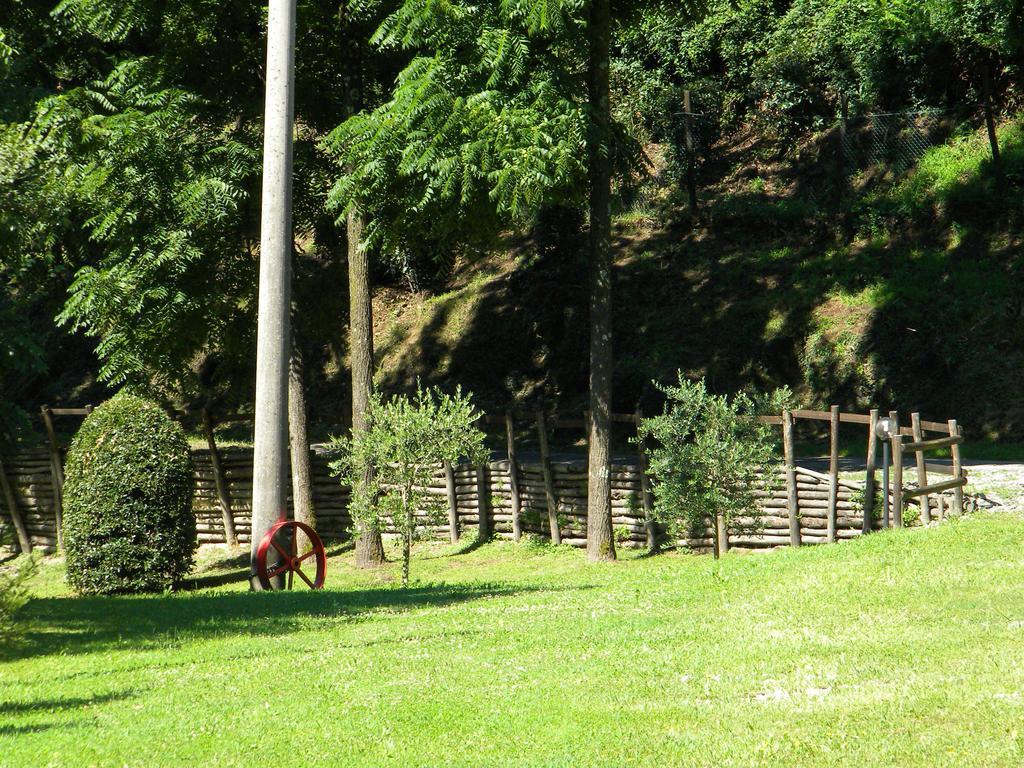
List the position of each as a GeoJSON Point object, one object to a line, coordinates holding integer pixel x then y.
{"type": "Point", "coordinates": [645, 489]}
{"type": "Point", "coordinates": [453, 503]}
{"type": "Point", "coordinates": [223, 497]}
{"type": "Point", "coordinates": [922, 469]}
{"type": "Point", "coordinates": [791, 495]}
{"type": "Point", "coordinates": [549, 480]}
{"type": "Point", "coordinates": [897, 479]}
{"type": "Point", "coordinates": [483, 507]}
{"type": "Point", "coordinates": [24, 541]}
{"type": "Point", "coordinates": [57, 474]}
{"type": "Point", "coordinates": [990, 121]}
{"type": "Point", "coordinates": [833, 473]}
{"type": "Point", "coordinates": [691, 167]}
{"type": "Point", "coordinates": [513, 476]}
{"type": "Point", "coordinates": [958, 473]}
{"type": "Point", "coordinates": [869, 478]}
{"type": "Point", "coordinates": [844, 119]}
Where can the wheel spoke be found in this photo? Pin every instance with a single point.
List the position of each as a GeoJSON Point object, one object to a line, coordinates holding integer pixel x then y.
{"type": "Point", "coordinates": [307, 555]}
{"type": "Point", "coordinates": [291, 573]}
{"type": "Point", "coordinates": [305, 578]}
{"type": "Point", "coordinates": [273, 573]}
{"type": "Point", "coordinates": [280, 551]}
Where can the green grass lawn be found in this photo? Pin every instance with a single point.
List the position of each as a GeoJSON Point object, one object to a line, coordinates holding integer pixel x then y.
{"type": "Point", "coordinates": [901, 649]}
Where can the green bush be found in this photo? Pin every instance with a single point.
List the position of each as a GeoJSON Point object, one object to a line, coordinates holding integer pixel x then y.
{"type": "Point", "coordinates": [128, 520]}
{"type": "Point", "coordinates": [14, 594]}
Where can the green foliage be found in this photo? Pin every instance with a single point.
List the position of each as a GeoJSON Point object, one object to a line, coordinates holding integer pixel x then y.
{"type": "Point", "coordinates": [20, 359]}
{"type": "Point", "coordinates": [128, 520]}
{"type": "Point", "coordinates": [14, 593]}
{"type": "Point", "coordinates": [785, 64]}
{"type": "Point", "coordinates": [129, 171]}
{"type": "Point", "coordinates": [400, 452]}
{"type": "Point", "coordinates": [712, 455]}
{"type": "Point", "coordinates": [486, 125]}
{"type": "Point", "coordinates": [162, 193]}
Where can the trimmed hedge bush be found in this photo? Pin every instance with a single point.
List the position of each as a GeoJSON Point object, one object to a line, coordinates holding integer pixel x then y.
{"type": "Point", "coordinates": [128, 519]}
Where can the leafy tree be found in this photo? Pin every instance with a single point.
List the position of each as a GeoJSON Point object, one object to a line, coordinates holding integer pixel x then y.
{"type": "Point", "coordinates": [712, 456]}
{"type": "Point", "coordinates": [486, 126]}
{"type": "Point", "coordinates": [137, 172]}
{"type": "Point", "coordinates": [784, 64]}
{"type": "Point", "coordinates": [483, 126]}
{"type": "Point", "coordinates": [406, 441]}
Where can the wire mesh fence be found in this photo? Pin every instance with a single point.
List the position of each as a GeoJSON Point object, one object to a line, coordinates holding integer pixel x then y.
{"type": "Point", "coordinates": [894, 139]}
{"type": "Point", "coordinates": [694, 137]}
{"type": "Point", "coordinates": [890, 141]}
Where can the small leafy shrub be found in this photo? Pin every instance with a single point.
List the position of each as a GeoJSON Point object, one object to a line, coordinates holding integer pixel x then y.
{"type": "Point", "coordinates": [406, 441]}
{"type": "Point", "coordinates": [128, 520]}
{"type": "Point", "coordinates": [622, 534]}
{"type": "Point", "coordinates": [712, 455]}
{"type": "Point", "coordinates": [533, 519]}
{"type": "Point", "coordinates": [535, 541]}
{"type": "Point", "coordinates": [14, 594]}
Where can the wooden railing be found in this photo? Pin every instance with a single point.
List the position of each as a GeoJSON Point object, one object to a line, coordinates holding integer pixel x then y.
{"type": "Point", "coordinates": [919, 446]}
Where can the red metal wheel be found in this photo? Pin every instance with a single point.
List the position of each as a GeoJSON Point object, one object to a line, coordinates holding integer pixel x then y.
{"type": "Point", "coordinates": [283, 538]}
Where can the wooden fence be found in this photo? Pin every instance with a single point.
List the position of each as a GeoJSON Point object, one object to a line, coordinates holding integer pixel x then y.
{"type": "Point", "coordinates": [509, 497]}
{"type": "Point", "coordinates": [894, 511]}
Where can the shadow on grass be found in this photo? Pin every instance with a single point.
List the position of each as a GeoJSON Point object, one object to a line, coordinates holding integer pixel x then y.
{"type": "Point", "coordinates": [11, 709]}
{"type": "Point", "coordinates": [234, 568]}
{"type": "Point", "coordinates": [72, 702]}
{"type": "Point", "coordinates": [468, 545]}
{"type": "Point", "coordinates": [70, 625]}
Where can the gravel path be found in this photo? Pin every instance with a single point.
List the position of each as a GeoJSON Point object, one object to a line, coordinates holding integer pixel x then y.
{"type": "Point", "coordinates": [998, 484]}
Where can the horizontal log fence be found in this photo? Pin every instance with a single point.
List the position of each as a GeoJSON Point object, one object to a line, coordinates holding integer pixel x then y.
{"type": "Point", "coordinates": [510, 498]}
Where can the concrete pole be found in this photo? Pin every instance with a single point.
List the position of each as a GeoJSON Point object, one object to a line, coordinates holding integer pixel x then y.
{"type": "Point", "coordinates": [273, 335]}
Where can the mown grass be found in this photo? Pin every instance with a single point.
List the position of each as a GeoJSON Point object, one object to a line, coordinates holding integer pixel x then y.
{"type": "Point", "coordinates": [901, 649]}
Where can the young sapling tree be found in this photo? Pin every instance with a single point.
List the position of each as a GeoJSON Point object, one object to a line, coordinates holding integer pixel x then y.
{"type": "Point", "coordinates": [405, 442]}
{"type": "Point", "coordinates": [713, 456]}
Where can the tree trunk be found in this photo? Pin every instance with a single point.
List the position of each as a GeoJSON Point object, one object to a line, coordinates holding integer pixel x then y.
{"type": "Point", "coordinates": [600, 543]}
{"type": "Point", "coordinates": [298, 438]}
{"type": "Point", "coordinates": [369, 547]}
{"type": "Point", "coordinates": [270, 449]}
{"type": "Point", "coordinates": [407, 536]}
{"type": "Point", "coordinates": [223, 496]}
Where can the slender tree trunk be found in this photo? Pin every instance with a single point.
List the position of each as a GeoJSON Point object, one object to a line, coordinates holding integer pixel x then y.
{"type": "Point", "coordinates": [369, 547]}
{"type": "Point", "coordinates": [407, 536]}
{"type": "Point", "coordinates": [223, 495]}
{"type": "Point", "coordinates": [298, 438]}
{"type": "Point", "coordinates": [600, 543]}
{"type": "Point", "coordinates": [270, 450]}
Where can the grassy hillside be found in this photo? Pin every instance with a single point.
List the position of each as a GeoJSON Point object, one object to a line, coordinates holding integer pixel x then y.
{"type": "Point", "coordinates": [894, 290]}
{"type": "Point", "coordinates": [899, 649]}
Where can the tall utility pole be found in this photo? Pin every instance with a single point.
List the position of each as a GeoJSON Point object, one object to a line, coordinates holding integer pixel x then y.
{"type": "Point", "coordinates": [273, 332]}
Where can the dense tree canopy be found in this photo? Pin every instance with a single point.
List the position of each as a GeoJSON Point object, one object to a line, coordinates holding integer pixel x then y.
{"type": "Point", "coordinates": [130, 134]}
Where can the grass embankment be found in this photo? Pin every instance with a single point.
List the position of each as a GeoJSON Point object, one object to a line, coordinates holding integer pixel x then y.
{"type": "Point", "coordinates": [884, 289]}
{"type": "Point", "coordinates": [901, 649]}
